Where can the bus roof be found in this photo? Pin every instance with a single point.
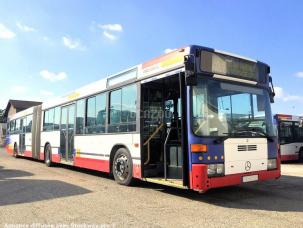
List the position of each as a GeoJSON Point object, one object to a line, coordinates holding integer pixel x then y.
{"type": "Point", "coordinates": [164, 65]}
{"type": "Point", "coordinates": [23, 113]}
{"type": "Point", "coordinates": [160, 65]}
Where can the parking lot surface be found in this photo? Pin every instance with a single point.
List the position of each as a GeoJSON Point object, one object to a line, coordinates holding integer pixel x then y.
{"type": "Point", "coordinates": [36, 195]}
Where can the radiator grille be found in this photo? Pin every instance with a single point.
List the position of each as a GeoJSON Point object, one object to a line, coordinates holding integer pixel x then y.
{"type": "Point", "coordinates": [247, 147]}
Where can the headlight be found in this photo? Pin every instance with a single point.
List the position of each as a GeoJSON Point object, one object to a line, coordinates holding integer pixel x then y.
{"type": "Point", "coordinates": [220, 169]}
{"type": "Point", "coordinates": [271, 164]}
{"type": "Point", "coordinates": [215, 170]}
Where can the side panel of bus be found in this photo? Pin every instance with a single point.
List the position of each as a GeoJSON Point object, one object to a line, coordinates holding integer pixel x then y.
{"type": "Point", "coordinates": [52, 138]}
{"type": "Point", "coordinates": [14, 140]}
{"type": "Point", "coordinates": [290, 151]}
{"type": "Point", "coordinates": [28, 145]}
{"type": "Point", "coordinates": [93, 152]}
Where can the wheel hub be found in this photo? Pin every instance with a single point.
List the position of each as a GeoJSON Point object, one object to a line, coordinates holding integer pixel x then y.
{"type": "Point", "coordinates": [121, 167]}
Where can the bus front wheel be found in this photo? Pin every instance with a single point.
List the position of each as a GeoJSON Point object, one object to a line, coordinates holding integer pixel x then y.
{"type": "Point", "coordinates": [123, 167]}
{"type": "Point", "coordinates": [48, 155]}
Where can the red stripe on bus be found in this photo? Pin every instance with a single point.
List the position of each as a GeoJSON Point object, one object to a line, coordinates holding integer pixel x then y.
{"type": "Point", "coordinates": [27, 154]}
{"type": "Point", "coordinates": [90, 163]}
{"type": "Point", "coordinates": [289, 157]}
{"type": "Point", "coordinates": [137, 171]}
{"type": "Point", "coordinates": [56, 158]}
{"type": "Point", "coordinates": [41, 157]}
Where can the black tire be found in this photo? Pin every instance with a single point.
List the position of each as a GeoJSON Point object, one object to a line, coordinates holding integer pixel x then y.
{"type": "Point", "coordinates": [123, 167]}
{"type": "Point", "coordinates": [15, 153]}
{"type": "Point", "coordinates": [301, 155]}
{"type": "Point", "coordinates": [48, 155]}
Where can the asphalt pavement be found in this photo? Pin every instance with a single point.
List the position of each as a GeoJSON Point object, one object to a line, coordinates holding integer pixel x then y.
{"type": "Point", "coordinates": [33, 195]}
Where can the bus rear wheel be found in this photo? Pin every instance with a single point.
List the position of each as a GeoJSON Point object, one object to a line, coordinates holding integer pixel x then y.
{"type": "Point", "coordinates": [15, 154]}
{"type": "Point", "coordinates": [48, 155]}
{"type": "Point", "coordinates": [123, 167]}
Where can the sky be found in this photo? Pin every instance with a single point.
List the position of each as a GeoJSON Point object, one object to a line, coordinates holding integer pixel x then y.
{"type": "Point", "coordinates": [49, 48]}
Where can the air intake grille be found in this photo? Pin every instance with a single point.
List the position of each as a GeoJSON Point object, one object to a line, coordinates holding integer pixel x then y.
{"type": "Point", "coordinates": [251, 147]}
{"type": "Point", "coordinates": [242, 148]}
{"type": "Point", "coordinates": [247, 147]}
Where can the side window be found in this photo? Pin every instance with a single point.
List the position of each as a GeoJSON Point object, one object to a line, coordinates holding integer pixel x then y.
{"type": "Point", "coordinates": [286, 132]}
{"type": "Point", "coordinates": [91, 115]}
{"type": "Point", "coordinates": [298, 132]}
{"type": "Point", "coordinates": [48, 124]}
{"type": "Point", "coordinates": [23, 125]}
{"type": "Point", "coordinates": [51, 119]}
{"type": "Point", "coordinates": [29, 121]}
{"type": "Point", "coordinates": [123, 109]}
{"type": "Point", "coordinates": [115, 111]}
{"type": "Point", "coordinates": [17, 128]}
{"type": "Point", "coordinates": [80, 115]}
{"type": "Point", "coordinates": [129, 101]}
{"type": "Point", "coordinates": [14, 126]}
{"type": "Point", "coordinates": [57, 118]}
{"type": "Point", "coordinates": [100, 113]}
{"type": "Point", "coordinates": [95, 114]}
{"type": "Point", "coordinates": [45, 120]}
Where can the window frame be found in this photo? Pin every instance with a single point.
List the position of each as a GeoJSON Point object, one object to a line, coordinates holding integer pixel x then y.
{"type": "Point", "coordinates": [107, 92]}
{"type": "Point", "coordinates": [123, 124]}
{"type": "Point", "coordinates": [27, 127]}
{"type": "Point", "coordinates": [51, 127]}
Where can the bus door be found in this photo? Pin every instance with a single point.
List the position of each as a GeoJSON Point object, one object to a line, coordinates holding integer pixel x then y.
{"type": "Point", "coordinates": [162, 131]}
{"type": "Point", "coordinates": [67, 132]}
{"type": "Point", "coordinates": [22, 136]}
{"type": "Point", "coordinates": [173, 152]}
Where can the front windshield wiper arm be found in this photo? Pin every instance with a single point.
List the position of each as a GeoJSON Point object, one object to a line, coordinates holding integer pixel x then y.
{"type": "Point", "coordinates": [220, 139]}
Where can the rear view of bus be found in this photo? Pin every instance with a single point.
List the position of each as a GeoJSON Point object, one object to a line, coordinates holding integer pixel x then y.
{"type": "Point", "coordinates": [231, 137]}
{"type": "Point", "coordinates": [290, 134]}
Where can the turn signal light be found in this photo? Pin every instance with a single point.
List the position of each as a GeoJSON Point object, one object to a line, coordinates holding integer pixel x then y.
{"type": "Point", "coordinates": [198, 148]}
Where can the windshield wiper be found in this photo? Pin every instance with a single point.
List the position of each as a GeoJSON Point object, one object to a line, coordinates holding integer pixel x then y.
{"type": "Point", "coordinates": [239, 132]}
{"type": "Point", "coordinates": [220, 139]}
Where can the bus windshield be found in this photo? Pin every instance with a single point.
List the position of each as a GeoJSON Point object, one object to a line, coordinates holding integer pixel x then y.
{"type": "Point", "coordinates": [226, 109]}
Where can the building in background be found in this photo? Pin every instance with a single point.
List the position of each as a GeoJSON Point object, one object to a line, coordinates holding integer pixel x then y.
{"type": "Point", "coordinates": [13, 106]}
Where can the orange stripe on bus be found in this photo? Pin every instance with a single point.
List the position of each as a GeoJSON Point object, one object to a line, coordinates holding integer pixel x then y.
{"type": "Point", "coordinates": [163, 58]}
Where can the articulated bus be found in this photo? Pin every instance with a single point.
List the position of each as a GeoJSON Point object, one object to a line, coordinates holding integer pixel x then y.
{"type": "Point", "coordinates": [196, 118]}
{"type": "Point", "coordinates": [290, 136]}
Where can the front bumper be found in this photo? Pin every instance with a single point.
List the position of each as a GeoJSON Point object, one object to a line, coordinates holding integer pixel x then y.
{"type": "Point", "coordinates": [201, 182]}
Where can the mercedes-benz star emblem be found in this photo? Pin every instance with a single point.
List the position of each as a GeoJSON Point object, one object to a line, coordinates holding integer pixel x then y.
{"type": "Point", "coordinates": [247, 165]}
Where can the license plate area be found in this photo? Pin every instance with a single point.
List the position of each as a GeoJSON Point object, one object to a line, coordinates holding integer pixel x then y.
{"type": "Point", "coordinates": [251, 178]}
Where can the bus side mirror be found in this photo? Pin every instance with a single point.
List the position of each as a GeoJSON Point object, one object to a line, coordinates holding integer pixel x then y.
{"type": "Point", "coordinates": [272, 90]}
{"type": "Point", "coordinates": [190, 70]}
